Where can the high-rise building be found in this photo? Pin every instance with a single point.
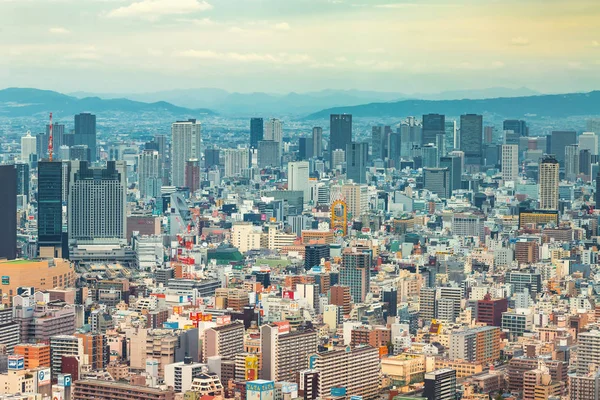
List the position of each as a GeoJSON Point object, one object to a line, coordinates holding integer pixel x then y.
{"type": "Point", "coordinates": [274, 132]}
{"type": "Point", "coordinates": [317, 142]}
{"type": "Point", "coordinates": [298, 178]}
{"type": "Point", "coordinates": [356, 162]}
{"type": "Point", "coordinates": [571, 161]}
{"type": "Point", "coordinates": [305, 148]}
{"type": "Point", "coordinates": [340, 133]}
{"type": "Point", "coordinates": [64, 345]}
{"type": "Point", "coordinates": [97, 202]}
{"type": "Point", "coordinates": [471, 136]}
{"type": "Point", "coordinates": [548, 183]}
{"type": "Point", "coordinates": [584, 387]}
{"type": "Point", "coordinates": [58, 133]}
{"type": "Point", "coordinates": [186, 141]}
{"type": "Point", "coordinates": [429, 153]}
{"type": "Point", "coordinates": [49, 221]}
{"type": "Point", "coordinates": [28, 146]}
{"type": "Point", "coordinates": [8, 212]}
{"type": "Point", "coordinates": [451, 137]}
{"type": "Point", "coordinates": [585, 164]}
{"type": "Point", "coordinates": [357, 198]}
{"type": "Point", "coordinates": [433, 124]}
{"type": "Point", "coordinates": [453, 164]}
{"type": "Point", "coordinates": [489, 311]}
{"type": "Point", "coordinates": [378, 141]}
{"type": "Point", "coordinates": [225, 340]}
{"type": "Point", "coordinates": [338, 158]}
{"type": "Point", "coordinates": [257, 131]}
{"type": "Point", "coordinates": [440, 384]}
{"type": "Point", "coordinates": [85, 133]}
{"type": "Point", "coordinates": [339, 295]}
{"type": "Point", "coordinates": [519, 127]}
{"type": "Point", "coordinates": [192, 174]}
{"type": "Point", "coordinates": [437, 180]}
{"type": "Point", "coordinates": [355, 272]}
{"type": "Point", "coordinates": [588, 352]}
{"type": "Point", "coordinates": [35, 355]}
{"type": "Point", "coordinates": [211, 157]}
{"type": "Point", "coordinates": [285, 353]}
{"type": "Point", "coordinates": [23, 178]}
{"type": "Point", "coordinates": [510, 162]}
{"type": "Point", "coordinates": [589, 140]}
{"type": "Point", "coordinates": [9, 330]}
{"type": "Point", "coordinates": [480, 344]}
{"type": "Point", "coordinates": [269, 154]}
{"type": "Point", "coordinates": [149, 174]}
{"type": "Point", "coordinates": [558, 141]}
{"type": "Point", "coordinates": [236, 160]}
{"type": "Point", "coordinates": [313, 254]}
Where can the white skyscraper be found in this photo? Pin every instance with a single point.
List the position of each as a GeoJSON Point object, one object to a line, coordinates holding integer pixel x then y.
{"type": "Point", "coordinates": [510, 162]}
{"type": "Point", "coordinates": [149, 179]}
{"type": "Point", "coordinates": [186, 140]}
{"type": "Point", "coordinates": [274, 132]}
{"type": "Point", "coordinates": [338, 157]}
{"type": "Point", "coordinates": [236, 160]}
{"type": "Point", "coordinates": [298, 178]}
{"type": "Point", "coordinates": [589, 141]}
{"type": "Point", "coordinates": [28, 146]}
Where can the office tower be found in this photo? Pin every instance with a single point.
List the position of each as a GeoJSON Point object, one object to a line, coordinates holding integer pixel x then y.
{"type": "Point", "coordinates": [274, 132]}
{"type": "Point", "coordinates": [489, 311]}
{"type": "Point", "coordinates": [149, 174]}
{"type": "Point", "coordinates": [558, 141]}
{"type": "Point", "coordinates": [49, 217]}
{"type": "Point", "coordinates": [317, 142]}
{"type": "Point", "coordinates": [339, 295]}
{"type": "Point", "coordinates": [548, 183]}
{"type": "Point", "coordinates": [257, 130]}
{"type": "Point", "coordinates": [338, 158]}
{"type": "Point", "coordinates": [211, 157]}
{"type": "Point", "coordinates": [41, 146]}
{"type": "Point", "coordinates": [467, 224]}
{"type": "Point", "coordinates": [356, 370]}
{"type": "Point", "coordinates": [58, 133]}
{"type": "Point", "coordinates": [433, 124]}
{"type": "Point", "coordinates": [356, 162]}
{"type": "Point", "coordinates": [589, 140]}
{"type": "Point", "coordinates": [519, 127]}
{"type": "Point", "coordinates": [429, 152]}
{"type": "Point", "coordinates": [97, 202]}
{"type": "Point", "coordinates": [340, 133]}
{"type": "Point", "coordinates": [357, 199]}
{"type": "Point", "coordinates": [394, 149]}
{"type": "Point", "coordinates": [304, 148]}
{"type": "Point", "coordinates": [378, 138]}
{"type": "Point", "coordinates": [285, 353]}
{"type": "Point", "coordinates": [236, 160]}
{"type": "Point", "coordinates": [390, 298]}
{"type": "Point", "coordinates": [480, 344]}
{"type": "Point", "coordinates": [186, 141]}
{"type": "Point", "coordinates": [192, 174]}
{"type": "Point", "coordinates": [440, 143]}
{"type": "Point", "coordinates": [451, 137]}
{"type": "Point", "coordinates": [471, 132]}
{"type": "Point", "coordinates": [269, 154]}
{"type": "Point", "coordinates": [510, 162]}
{"type": "Point", "coordinates": [488, 134]}
{"type": "Point", "coordinates": [79, 152]}
{"type": "Point", "coordinates": [298, 178]}
{"type": "Point", "coordinates": [354, 273]}
{"type": "Point", "coordinates": [571, 162]}
{"type": "Point", "coordinates": [313, 253]}
{"type": "Point", "coordinates": [225, 340]}
{"type": "Point", "coordinates": [588, 352]}
{"type": "Point", "coordinates": [8, 212]}
{"type": "Point", "coordinates": [22, 178]}
{"type": "Point", "coordinates": [585, 164]}
{"type": "Point", "coordinates": [437, 180]}
{"type": "Point", "coordinates": [453, 164]}
{"type": "Point", "coordinates": [85, 133]}
{"type": "Point", "coordinates": [28, 146]}
{"type": "Point", "coordinates": [440, 384]}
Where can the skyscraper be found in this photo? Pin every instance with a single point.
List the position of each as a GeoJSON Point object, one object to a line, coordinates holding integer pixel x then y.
{"type": "Point", "coordinates": [377, 142]}
{"type": "Point", "coordinates": [340, 133]}
{"type": "Point", "coordinates": [558, 141]}
{"type": "Point", "coordinates": [519, 127]}
{"type": "Point", "coordinates": [354, 273]}
{"type": "Point", "coordinates": [430, 155]}
{"type": "Point", "coordinates": [50, 221]}
{"type": "Point", "coordinates": [22, 178]}
{"type": "Point", "coordinates": [305, 148]}
{"type": "Point", "coordinates": [274, 132]}
{"type": "Point", "coordinates": [356, 162]}
{"type": "Point", "coordinates": [97, 202]}
{"type": "Point", "coordinates": [85, 133]}
{"type": "Point", "coordinates": [58, 133]}
{"type": "Point", "coordinates": [317, 142]}
{"type": "Point", "coordinates": [8, 212]}
{"type": "Point", "coordinates": [451, 138]}
{"type": "Point", "coordinates": [338, 158]}
{"type": "Point", "coordinates": [298, 178]}
{"type": "Point", "coordinates": [257, 131]}
{"type": "Point", "coordinates": [510, 162]}
{"type": "Point", "coordinates": [571, 161]}
{"type": "Point", "coordinates": [28, 146]}
{"type": "Point", "coordinates": [471, 136]}
{"type": "Point", "coordinates": [548, 183]}
{"type": "Point", "coordinates": [186, 139]}
{"type": "Point", "coordinates": [589, 140]}
{"type": "Point", "coordinates": [192, 174]}
{"type": "Point", "coordinates": [149, 177]}
{"type": "Point", "coordinates": [454, 165]}
{"type": "Point", "coordinates": [236, 160]}
{"type": "Point", "coordinates": [440, 384]}
{"type": "Point", "coordinates": [313, 253]}
{"type": "Point", "coordinates": [433, 124]}
{"type": "Point", "coordinates": [437, 180]}
{"type": "Point", "coordinates": [269, 154]}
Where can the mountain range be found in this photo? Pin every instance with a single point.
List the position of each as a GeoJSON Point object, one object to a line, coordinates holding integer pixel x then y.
{"type": "Point", "coordinates": [554, 106]}
{"type": "Point", "coordinates": [295, 104]}
{"type": "Point", "coordinates": [21, 102]}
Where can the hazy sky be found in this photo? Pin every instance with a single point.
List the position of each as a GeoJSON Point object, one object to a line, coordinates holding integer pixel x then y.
{"type": "Point", "coordinates": [300, 45]}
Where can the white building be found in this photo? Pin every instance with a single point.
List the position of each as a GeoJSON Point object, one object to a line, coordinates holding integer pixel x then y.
{"type": "Point", "coordinates": [149, 174]}
{"type": "Point", "coordinates": [236, 160]}
{"type": "Point", "coordinates": [28, 146]}
{"type": "Point", "coordinates": [589, 141]}
{"type": "Point", "coordinates": [186, 141]}
{"type": "Point", "coordinates": [298, 178]}
{"type": "Point", "coordinates": [180, 375]}
{"type": "Point", "coordinates": [245, 236]}
{"type": "Point", "coordinates": [510, 162]}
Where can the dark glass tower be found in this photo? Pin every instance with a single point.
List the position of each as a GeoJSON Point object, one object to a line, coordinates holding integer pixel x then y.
{"type": "Point", "coordinates": [257, 131]}
{"type": "Point", "coordinates": [8, 212]}
{"type": "Point", "coordinates": [471, 138]}
{"type": "Point", "coordinates": [340, 132]}
{"type": "Point", "coordinates": [558, 141]}
{"type": "Point", "coordinates": [356, 162]}
{"type": "Point", "coordinates": [85, 133]}
{"type": "Point", "coordinates": [433, 124]}
{"type": "Point", "coordinates": [22, 178]}
{"type": "Point", "coordinates": [454, 167]}
{"type": "Point", "coordinates": [519, 127]}
{"type": "Point", "coordinates": [50, 205]}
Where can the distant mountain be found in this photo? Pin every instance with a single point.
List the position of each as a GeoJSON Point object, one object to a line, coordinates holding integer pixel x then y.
{"type": "Point", "coordinates": [17, 102]}
{"type": "Point", "coordinates": [558, 105]}
{"type": "Point", "coordinates": [267, 104]}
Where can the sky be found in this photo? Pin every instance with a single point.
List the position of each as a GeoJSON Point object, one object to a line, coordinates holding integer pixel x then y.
{"type": "Point", "coordinates": [426, 46]}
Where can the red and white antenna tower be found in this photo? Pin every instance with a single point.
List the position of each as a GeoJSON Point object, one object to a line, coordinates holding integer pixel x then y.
{"type": "Point", "coordinates": [50, 144]}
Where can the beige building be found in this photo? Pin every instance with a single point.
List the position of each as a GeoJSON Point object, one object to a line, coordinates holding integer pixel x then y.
{"type": "Point", "coordinates": [404, 369]}
{"type": "Point", "coordinates": [16, 381]}
{"type": "Point", "coordinates": [357, 198]}
{"type": "Point", "coordinates": [548, 183]}
{"type": "Point", "coordinates": [245, 236]}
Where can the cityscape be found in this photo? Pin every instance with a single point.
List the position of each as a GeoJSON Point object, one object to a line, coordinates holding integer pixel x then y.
{"type": "Point", "coordinates": [354, 229]}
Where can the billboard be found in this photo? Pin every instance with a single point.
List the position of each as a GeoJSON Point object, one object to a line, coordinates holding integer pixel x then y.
{"type": "Point", "coordinates": [288, 295]}
{"type": "Point", "coordinates": [283, 326]}
{"type": "Point", "coordinates": [43, 377]}
{"type": "Point", "coordinates": [16, 362]}
{"type": "Point", "coordinates": [5, 280]}
{"type": "Point", "coordinates": [223, 320]}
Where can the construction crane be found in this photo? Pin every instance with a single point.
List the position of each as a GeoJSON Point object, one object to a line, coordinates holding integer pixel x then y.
{"type": "Point", "coordinates": [50, 144]}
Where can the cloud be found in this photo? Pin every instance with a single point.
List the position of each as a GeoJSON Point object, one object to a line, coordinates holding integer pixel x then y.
{"type": "Point", "coordinates": [595, 43]}
{"type": "Point", "coordinates": [279, 58]}
{"type": "Point", "coordinates": [519, 41]}
{"type": "Point", "coordinates": [282, 26]}
{"type": "Point", "coordinates": [154, 9]}
{"type": "Point", "coordinates": [59, 30]}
